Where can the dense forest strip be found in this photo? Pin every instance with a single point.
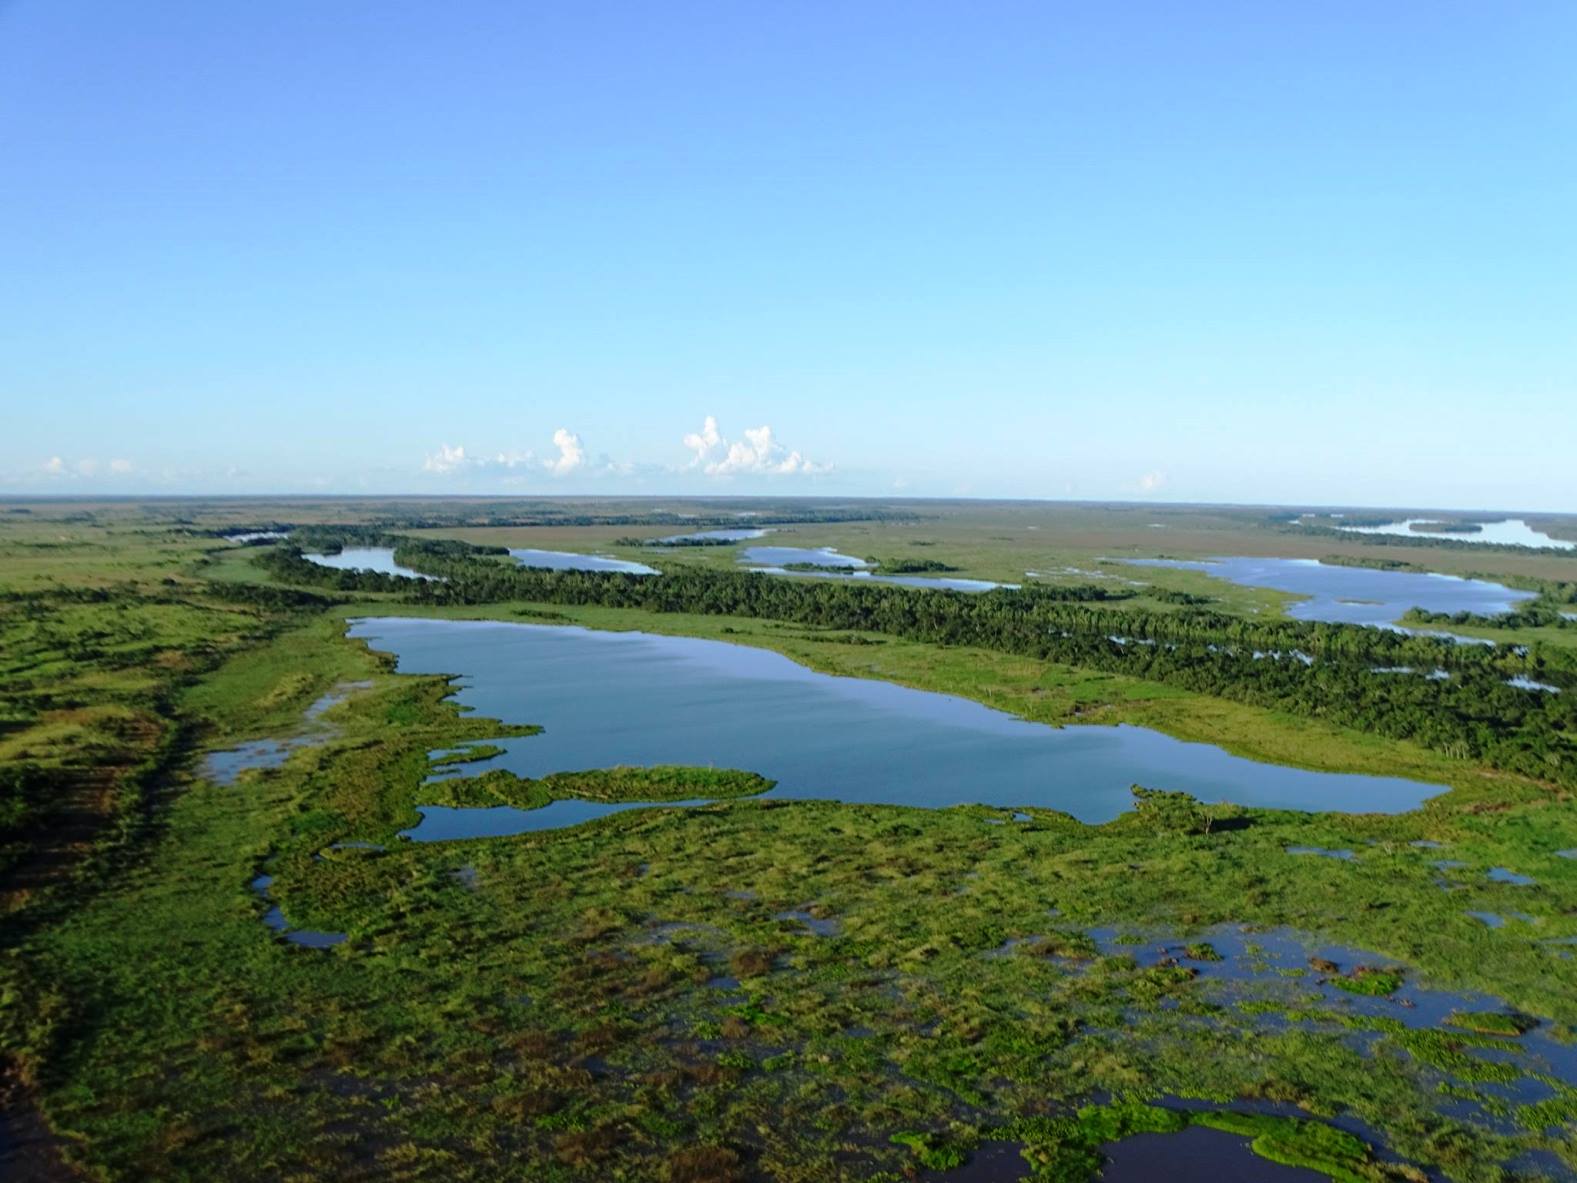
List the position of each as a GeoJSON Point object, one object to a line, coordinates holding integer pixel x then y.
{"type": "Point", "coordinates": [1370, 679]}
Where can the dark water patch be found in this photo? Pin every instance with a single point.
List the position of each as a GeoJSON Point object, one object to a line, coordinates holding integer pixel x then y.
{"type": "Point", "coordinates": [275, 919]}
{"type": "Point", "coordinates": [1195, 1154]}
{"type": "Point", "coordinates": [446, 823]}
{"type": "Point", "coordinates": [817, 925]}
{"type": "Point", "coordinates": [606, 699]}
{"type": "Point", "coordinates": [1503, 875]}
{"type": "Point", "coordinates": [990, 1162]}
{"type": "Point", "coordinates": [1323, 852]}
{"type": "Point", "coordinates": [562, 560]}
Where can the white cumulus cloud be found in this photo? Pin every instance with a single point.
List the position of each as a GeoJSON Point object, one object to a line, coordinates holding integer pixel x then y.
{"type": "Point", "coordinates": [446, 459]}
{"type": "Point", "coordinates": [120, 467]}
{"type": "Point", "coordinates": [1152, 482]}
{"type": "Point", "coordinates": [758, 452]}
{"type": "Point", "coordinates": [55, 466]}
{"type": "Point", "coordinates": [571, 459]}
{"type": "Point", "coordinates": [572, 453]}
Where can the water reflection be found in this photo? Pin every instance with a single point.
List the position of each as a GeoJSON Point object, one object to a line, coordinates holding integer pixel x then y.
{"type": "Point", "coordinates": [377, 559]}
{"type": "Point", "coordinates": [563, 560]}
{"type": "Point", "coordinates": [606, 699]}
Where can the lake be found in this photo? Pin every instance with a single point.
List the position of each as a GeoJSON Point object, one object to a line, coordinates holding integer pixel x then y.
{"type": "Point", "coordinates": [716, 536]}
{"type": "Point", "coordinates": [563, 560]}
{"type": "Point", "coordinates": [782, 556]}
{"type": "Point", "coordinates": [606, 698]}
{"type": "Point", "coordinates": [774, 560]}
{"type": "Point", "coordinates": [1354, 595]}
{"type": "Point", "coordinates": [1509, 532]}
{"type": "Point", "coordinates": [379, 559]}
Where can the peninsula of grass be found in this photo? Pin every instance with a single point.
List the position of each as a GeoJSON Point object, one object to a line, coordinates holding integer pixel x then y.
{"type": "Point", "coordinates": [623, 783]}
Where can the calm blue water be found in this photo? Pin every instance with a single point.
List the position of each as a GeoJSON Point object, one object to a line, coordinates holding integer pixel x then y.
{"type": "Point", "coordinates": [716, 536]}
{"type": "Point", "coordinates": [772, 560]}
{"type": "Point", "coordinates": [1509, 532]}
{"type": "Point", "coordinates": [366, 558]}
{"type": "Point", "coordinates": [1355, 595]}
{"type": "Point", "coordinates": [782, 556]}
{"type": "Point", "coordinates": [631, 698]}
{"type": "Point", "coordinates": [562, 560]}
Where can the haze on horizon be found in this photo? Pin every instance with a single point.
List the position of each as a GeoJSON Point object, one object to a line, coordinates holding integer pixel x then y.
{"type": "Point", "coordinates": [1228, 253]}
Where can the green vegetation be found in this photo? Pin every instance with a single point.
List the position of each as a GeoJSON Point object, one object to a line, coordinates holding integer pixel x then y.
{"type": "Point", "coordinates": [1447, 527]}
{"type": "Point", "coordinates": [660, 783]}
{"type": "Point", "coordinates": [643, 997]}
{"type": "Point", "coordinates": [1492, 1022]}
{"type": "Point", "coordinates": [906, 566]}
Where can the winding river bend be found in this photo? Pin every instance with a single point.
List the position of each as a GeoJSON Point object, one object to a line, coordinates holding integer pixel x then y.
{"type": "Point", "coordinates": [606, 698]}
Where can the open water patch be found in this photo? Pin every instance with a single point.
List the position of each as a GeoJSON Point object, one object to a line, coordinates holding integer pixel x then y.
{"type": "Point", "coordinates": [605, 699]}
{"type": "Point", "coordinates": [1355, 595]}
{"type": "Point", "coordinates": [780, 560]}
{"type": "Point", "coordinates": [376, 559]}
{"type": "Point", "coordinates": [275, 919]}
{"type": "Point", "coordinates": [715, 536]}
{"type": "Point", "coordinates": [563, 560]}
{"type": "Point", "coordinates": [225, 767]}
{"type": "Point", "coordinates": [1504, 532]}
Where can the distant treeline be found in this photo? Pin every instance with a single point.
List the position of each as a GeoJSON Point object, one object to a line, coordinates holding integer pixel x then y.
{"type": "Point", "coordinates": [1310, 669]}
{"type": "Point", "coordinates": [1370, 563]}
{"type": "Point", "coordinates": [675, 543]}
{"type": "Point", "coordinates": [910, 566]}
{"type": "Point", "coordinates": [771, 516]}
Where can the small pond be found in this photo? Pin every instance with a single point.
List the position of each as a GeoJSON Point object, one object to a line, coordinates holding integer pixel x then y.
{"type": "Point", "coordinates": [714, 536]}
{"type": "Point", "coordinates": [1354, 595]}
{"type": "Point", "coordinates": [563, 560]}
{"type": "Point", "coordinates": [782, 556]}
{"type": "Point", "coordinates": [378, 559]}
{"type": "Point", "coordinates": [775, 560]}
{"type": "Point", "coordinates": [606, 698]}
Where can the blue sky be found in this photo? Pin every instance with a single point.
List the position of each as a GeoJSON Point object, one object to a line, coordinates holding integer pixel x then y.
{"type": "Point", "coordinates": [1215, 251]}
